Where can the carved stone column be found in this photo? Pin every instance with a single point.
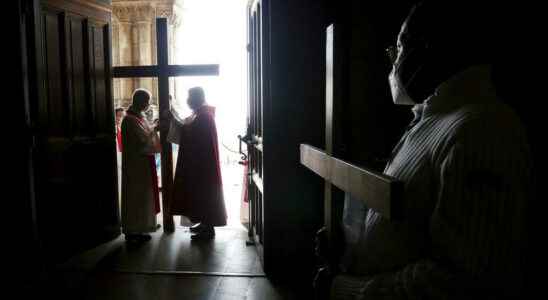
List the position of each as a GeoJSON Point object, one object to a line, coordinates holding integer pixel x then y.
{"type": "Point", "coordinates": [125, 53]}
{"type": "Point", "coordinates": [145, 50]}
{"type": "Point", "coordinates": [116, 61]}
{"type": "Point", "coordinates": [135, 41]}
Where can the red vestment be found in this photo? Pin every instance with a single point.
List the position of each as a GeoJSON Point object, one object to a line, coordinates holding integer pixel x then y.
{"type": "Point", "coordinates": [198, 188]}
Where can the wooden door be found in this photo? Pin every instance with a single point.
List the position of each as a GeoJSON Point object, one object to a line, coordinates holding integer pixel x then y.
{"type": "Point", "coordinates": [23, 263]}
{"type": "Point", "coordinates": [73, 120]}
{"type": "Point", "coordinates": [286, 57]}
{"type": "Point", "coordinates": [255, 124]}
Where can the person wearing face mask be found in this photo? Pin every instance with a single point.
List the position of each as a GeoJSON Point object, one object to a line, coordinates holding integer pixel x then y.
{"type": "Point", "coordinates": [466, 168]}
{"type": "Point", "coordinates": [140, 194]}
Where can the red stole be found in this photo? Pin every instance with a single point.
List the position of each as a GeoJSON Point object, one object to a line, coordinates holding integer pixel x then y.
{"type": "Point", "coordinates": [119, 137]}
{"type": "Point", "coordinates": [197, 187]}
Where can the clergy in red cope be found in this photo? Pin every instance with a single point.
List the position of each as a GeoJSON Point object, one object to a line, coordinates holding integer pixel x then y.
{"type": "Point", "coordinates": [198, 188]}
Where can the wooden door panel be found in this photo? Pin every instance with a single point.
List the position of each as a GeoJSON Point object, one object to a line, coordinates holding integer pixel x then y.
{"type": "Point", "coordinates": [53, 190]}
{"type": "Point", "coordinates": [94, 185]}
{"type": "Point", "coordinates": [76, 191]}
{"type": "Point", "coordinates": [53, 108]}
{"type": "Point", "coordinates": [80, 101]}
{"type": "Point", "coordinates": [255, 126]}
{"type": "Point", "coordinates": [101, 90]}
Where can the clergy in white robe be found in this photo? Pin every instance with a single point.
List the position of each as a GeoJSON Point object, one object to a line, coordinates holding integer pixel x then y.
{"type": "Point", "coordinates": [140, 194]}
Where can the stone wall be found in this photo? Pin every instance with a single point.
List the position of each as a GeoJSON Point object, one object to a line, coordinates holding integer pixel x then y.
{"type": "Point", "coordinates": [134, 42]}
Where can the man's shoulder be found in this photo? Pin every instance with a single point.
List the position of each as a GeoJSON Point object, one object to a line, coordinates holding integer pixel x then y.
{"type": "Point", "coordinates": [479, 124]}
{"type": "Point", "coordinates": [486, 116]}
{"type": "Point", "coordinates": [129, 121]}
{"type": "Point", "coordinates": [130, 118]}
{"type": "Point", "coordinates": [479, 116]}
{"type": "Point", "coordinates": [206, 116]}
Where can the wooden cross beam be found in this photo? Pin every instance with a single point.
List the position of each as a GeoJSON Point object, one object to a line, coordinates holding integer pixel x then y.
{"type": "Point", "coordinates": [163, 71]}
{"type": "Point", "coordinates": [379, 192]}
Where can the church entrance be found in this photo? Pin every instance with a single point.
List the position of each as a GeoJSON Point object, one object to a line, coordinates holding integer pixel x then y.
{"type": "Point", "coordinates": [206, 46]}
{"type": "Point", "coordinates": [199, 33]}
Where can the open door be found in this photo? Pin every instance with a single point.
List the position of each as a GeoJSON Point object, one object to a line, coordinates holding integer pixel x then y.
{"type": "Point", "coordinates": [72, 121]}
{"type": "Point", "coordinates": [255, 124]}
{"type": "Point", "coordinates": [286, 54]}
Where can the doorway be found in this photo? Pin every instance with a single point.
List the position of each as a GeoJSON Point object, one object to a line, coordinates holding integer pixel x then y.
{"type": "Point", "coordinates": [202, 32]}
{"type": "Point", "coordinates": [214, 32]}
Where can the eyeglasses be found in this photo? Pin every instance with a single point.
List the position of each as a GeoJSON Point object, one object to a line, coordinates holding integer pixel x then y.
{"type": "Point", "coordinates": [392, 54]}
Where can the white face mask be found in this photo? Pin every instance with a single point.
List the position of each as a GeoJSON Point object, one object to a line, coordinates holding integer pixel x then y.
{"type": "Point", "coordinates": [399, 94]}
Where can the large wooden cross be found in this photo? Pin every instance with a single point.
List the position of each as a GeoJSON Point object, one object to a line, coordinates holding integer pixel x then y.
{"type": "Point", "coordinates": [378, 191]}
{"type": "Point", "coordinates": [163, 71]}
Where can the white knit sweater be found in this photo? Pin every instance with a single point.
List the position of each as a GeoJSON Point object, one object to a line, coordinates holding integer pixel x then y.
{"type": "Point", "coordinates": [466, 169]}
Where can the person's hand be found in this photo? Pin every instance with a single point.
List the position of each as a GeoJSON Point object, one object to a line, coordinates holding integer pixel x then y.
{"type": "Point", "coordinates": [322, 283]}
{"type": "Point", "coordinates": [189, 119]}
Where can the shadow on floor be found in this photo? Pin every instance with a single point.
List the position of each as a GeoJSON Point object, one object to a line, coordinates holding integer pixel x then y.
{"type": "Point", "coordinates": [116, 270]}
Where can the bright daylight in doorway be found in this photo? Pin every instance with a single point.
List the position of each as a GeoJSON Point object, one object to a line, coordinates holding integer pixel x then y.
{"type": "Point", "coordinates": [214, 32]}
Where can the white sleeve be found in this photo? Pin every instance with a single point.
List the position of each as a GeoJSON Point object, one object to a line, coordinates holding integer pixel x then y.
{"type": "Point", "coordinates": [175, 132]}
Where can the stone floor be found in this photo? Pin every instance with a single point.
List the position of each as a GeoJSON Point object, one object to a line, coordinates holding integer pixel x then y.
{"type": "Point", "coordinates": [175, 252]}
{"type": "Point", "coordinates": [109, 285]}
{"type": "Point", "coordinates": [170, 266]}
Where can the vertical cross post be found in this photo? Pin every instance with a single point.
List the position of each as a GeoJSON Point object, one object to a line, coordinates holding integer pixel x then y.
{"type": "Point", "coordinates": [333, 201]}
{"type": "Point", "coordinates": [163, 98]}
